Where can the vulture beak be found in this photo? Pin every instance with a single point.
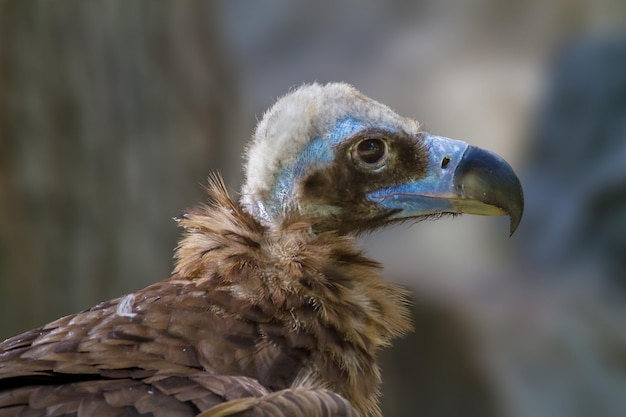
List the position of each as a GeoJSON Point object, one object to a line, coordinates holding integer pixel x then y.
{"type": "Point", "coordinates": [459, 179]}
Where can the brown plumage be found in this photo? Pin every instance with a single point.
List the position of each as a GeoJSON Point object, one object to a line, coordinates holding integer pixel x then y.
{"type": "Point", "coordinates": [276, 315]}
{"type": "Point", "coordinates": [227, 310]}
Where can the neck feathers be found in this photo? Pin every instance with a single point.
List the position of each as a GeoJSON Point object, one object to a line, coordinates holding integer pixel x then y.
{"type": "Point", "coordinates": [314, 293]}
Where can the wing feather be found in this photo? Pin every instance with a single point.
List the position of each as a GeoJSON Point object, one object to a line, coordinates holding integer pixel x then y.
{"type": "Point", "coordinates": [293, 402]}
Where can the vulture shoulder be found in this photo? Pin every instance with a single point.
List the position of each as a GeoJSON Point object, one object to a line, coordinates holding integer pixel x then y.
{"type": "Point", "coordinates": [248, 311]}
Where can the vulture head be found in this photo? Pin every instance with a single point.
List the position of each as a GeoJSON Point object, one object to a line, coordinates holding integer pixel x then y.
{"type": "Point", "coordinates": [329, 153]}
{"type": "Point", "coordinates": [263, 315]}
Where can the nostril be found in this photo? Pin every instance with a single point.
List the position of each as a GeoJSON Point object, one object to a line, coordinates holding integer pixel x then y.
{"type": "Point", "coordinates": [445, 162]}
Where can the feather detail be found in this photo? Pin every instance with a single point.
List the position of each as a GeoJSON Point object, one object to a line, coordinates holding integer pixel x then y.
{"type": "Point", "coordinates": [286, 403]}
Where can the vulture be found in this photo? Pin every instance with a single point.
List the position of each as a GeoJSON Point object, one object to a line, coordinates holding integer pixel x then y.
{"type": "Point", "coordinates": [272, 308]}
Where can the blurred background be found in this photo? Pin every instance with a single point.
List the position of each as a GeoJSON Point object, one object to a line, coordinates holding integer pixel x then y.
{"type": "Point", "coordinates": [112, 113]}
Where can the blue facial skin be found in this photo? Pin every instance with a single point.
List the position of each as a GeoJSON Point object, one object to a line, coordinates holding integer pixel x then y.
{"type": "Point", "coordinates": [433, 193]}
{"type": "Point", "coordinates": [319, 151]}
{"type": "Point", "coordinates": [423, 196]}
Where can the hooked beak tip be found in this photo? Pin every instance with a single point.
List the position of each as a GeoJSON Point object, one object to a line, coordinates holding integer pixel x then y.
{"type": "Point", "coordinates": [487, 179]}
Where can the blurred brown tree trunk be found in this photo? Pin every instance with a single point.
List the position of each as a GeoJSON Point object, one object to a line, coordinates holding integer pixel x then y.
{"type": "Point", "coordinates": [111, 114]}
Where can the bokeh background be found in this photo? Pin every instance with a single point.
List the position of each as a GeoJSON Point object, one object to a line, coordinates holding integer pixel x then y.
{"type": "Point", "coordinates": [113, 112]}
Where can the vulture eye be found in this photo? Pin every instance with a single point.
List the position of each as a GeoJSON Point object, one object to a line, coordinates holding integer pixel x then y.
{"type": "Point", "coordinates": [370, 153]}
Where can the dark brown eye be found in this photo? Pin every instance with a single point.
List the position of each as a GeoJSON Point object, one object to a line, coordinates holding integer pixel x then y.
{"type": "Point", "coordinates": [370, 153]}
